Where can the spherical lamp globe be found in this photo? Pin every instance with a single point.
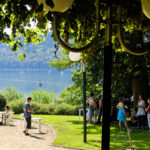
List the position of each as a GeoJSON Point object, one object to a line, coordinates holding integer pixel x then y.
{"type": "Point", "coordinates": [56, 5]}
{"type": "Point", "coordinates": [74, 56]}
{"type": "Point", "coordinates": [146, 8]}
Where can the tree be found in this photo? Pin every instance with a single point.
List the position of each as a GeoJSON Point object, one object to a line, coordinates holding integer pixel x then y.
{"type": "Point", "coordinates": [2, 102]}
{"type": "Point", "coordinates": [78, 25]}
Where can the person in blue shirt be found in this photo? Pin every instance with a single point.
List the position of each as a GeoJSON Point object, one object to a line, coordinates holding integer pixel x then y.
{"type": "Point", "coordinates": [27, 114]}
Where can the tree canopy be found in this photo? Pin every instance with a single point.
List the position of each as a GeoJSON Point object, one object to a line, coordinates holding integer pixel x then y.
{"type": "Point", "coordinates": [77, 26]}
{"type": "Point", "coordinates": [77, 23]}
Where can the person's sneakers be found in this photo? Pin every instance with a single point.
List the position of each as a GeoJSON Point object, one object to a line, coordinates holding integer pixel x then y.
{"type": "Point", "coordinates": [27, 134]}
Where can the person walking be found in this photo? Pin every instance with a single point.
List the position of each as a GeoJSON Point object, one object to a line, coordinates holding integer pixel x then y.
{"type": "Point", "coordinates": [141, 112]}
{"type": "Point", "coordinates": [121, 114]}
{"type": "Point", "coordinates": [92, 105]}
{"type": "Point", "coordinates": [148, 113]}
{"type": "Point", "coordinates": [27, 114]}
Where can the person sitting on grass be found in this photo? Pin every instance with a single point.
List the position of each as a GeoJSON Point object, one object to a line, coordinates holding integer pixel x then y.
{"type": "Point", "coordinates": [6, 114]}
{"type": "Point", "coordinates": [121, 114]}
{"type": "Point", "coordinates": [27, 115]}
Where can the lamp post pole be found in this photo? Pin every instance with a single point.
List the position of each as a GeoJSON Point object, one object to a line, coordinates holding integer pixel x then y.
{"type": "Point", "coordinates": [107, 81]}
{"type": "Point", "coordinates": [84, 101]}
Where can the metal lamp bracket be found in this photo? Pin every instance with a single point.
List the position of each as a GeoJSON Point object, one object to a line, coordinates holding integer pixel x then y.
{"type": "Point", "coordinates": [123, 45]}
{"type": "Point", "coordinates": [141, 52]}
{"type": "Point", "coordinates": [64, 45]}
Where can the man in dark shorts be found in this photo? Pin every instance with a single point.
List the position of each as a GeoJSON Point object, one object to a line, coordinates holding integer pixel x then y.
{"type": "Point", "coordinates": [27, 114]}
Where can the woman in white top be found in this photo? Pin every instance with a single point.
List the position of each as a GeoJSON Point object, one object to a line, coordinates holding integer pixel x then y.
{"type": "Point", "coordinates": [92, 105]}
{"type": "Point", "coordinates": [141, 112]}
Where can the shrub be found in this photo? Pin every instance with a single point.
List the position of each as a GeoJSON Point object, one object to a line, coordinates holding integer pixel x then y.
{"type": "Point", "coordinates": [17, 106]}
{"type": "Point", "coordinates": [11, 94]}
{"type": "Point", "coordinates": [2, 102]}
{"type": "Point", "coordinates": [47, 109]}
{"type": "Point", "coordinates": [64, 109]}
{"type": "Point", "coordinates": [42, 96]}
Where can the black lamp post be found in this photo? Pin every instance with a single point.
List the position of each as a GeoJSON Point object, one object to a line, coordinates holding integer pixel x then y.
{"type": "Point", "coordinates": [107, 52]}
{"type": "Point", "coordinates": [76, 57]}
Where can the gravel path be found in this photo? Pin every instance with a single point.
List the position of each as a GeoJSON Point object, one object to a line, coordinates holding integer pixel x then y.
{"type": "Point", "coordinates": [13, 138]}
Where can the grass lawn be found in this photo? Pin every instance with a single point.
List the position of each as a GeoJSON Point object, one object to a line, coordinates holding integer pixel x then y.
{"type": "Point", "coordinates": [69, 132]}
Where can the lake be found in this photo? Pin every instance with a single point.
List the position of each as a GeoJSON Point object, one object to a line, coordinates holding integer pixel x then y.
{"type": "Point", "coordinates": [26, 81]}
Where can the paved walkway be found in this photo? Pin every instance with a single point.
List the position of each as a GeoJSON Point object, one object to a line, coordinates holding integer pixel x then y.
{"type": "Point", "coordinates": [13, 138]}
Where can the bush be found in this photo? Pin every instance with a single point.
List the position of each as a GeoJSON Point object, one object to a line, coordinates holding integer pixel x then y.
{"type": "Point", "coordinates": [64, 109]}
{"type": "Point", "coordinates": [47, 109]}
{"type": "Point", "coordinates": [42, 96]}
{"type": "Point", "coordinates": [11, 94]}
{"type": "Point", "coordinates": [2, 102]}
{"type": "Point", "coordinates": [17, 106]}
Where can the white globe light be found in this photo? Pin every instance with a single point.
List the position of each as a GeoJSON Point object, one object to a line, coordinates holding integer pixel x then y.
{"type": "Point", "coordinates": [56, 5]}
{"type": "Point", "coordinates": [74, 56]}
{"type": "Point", "coordinates": [146, 8]}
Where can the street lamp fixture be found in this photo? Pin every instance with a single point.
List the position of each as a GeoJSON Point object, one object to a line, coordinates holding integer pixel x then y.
{"type": "Point", "coordinates": [76, 56]}
{"type": "Point", "coordinates": [107, 49]}
{"type": "Point", "coordinates": [146, 7]}
{"type": "Point", "coordinates": [56, 5]}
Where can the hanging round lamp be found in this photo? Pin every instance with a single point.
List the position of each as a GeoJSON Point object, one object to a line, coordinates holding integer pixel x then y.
{"type": "Point", "coordinates": [146, 8]}
{"type": "Point", "coordinates": [56, 5]}
{"type": "Point", "coordinates": [74, 56]}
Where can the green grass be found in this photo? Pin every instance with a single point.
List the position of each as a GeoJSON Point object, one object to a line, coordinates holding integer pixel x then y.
{"type": "Point", "coordinates": [69, 132]}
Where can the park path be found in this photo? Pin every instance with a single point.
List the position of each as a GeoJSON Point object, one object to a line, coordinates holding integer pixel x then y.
{"type": "Point", "coordinates": [13, 138]}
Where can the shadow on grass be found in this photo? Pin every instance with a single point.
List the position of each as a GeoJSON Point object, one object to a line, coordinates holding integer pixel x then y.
{"type": "Point", "coordinates": [75, 122]}
{"type": "Point", "coordinates": [95, 143]}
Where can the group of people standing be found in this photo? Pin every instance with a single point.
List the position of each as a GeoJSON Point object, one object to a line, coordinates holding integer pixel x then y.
{"type": "Point", "coordinates": [140, 114]}
{"type": "Point", "coordinates": [93, 106]}
{"type": "Point", "coordinates": [121, 116]}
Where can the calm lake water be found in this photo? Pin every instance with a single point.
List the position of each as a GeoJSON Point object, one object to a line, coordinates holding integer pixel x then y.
{"type": "Point", "coordinates": [28, 80]}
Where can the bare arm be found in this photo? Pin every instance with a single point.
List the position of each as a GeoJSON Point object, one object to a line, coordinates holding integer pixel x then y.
{"type": "Point", "coordinates": [100, 104]}
{"type": "Point", "coordinates": [117, 106]}
{"type": "Point", "coordinates": [87, 101]}
{"type": "Point", "coordinates": [30, 111]}
{"type": "Point", "coordinates": [147, 108]}
{"type": "Point", "coordinates": [124, 111]}
{"type": "Point", "coordinates": [144, 105]}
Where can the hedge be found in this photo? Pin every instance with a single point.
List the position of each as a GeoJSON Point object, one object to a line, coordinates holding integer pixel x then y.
{"type": "Point", "coordinates": [49, 109]}
{"type": "Point", "coordinates": [2, 102]}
